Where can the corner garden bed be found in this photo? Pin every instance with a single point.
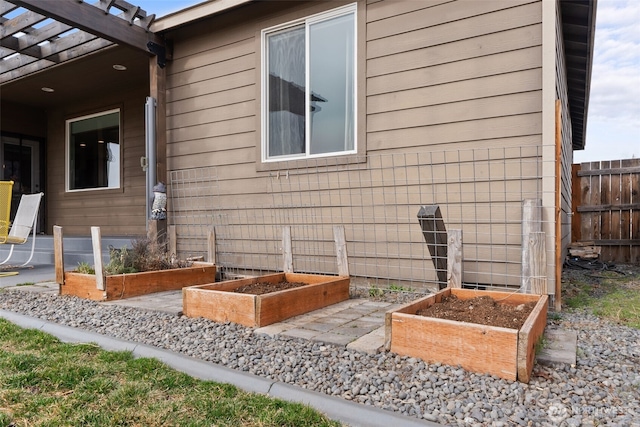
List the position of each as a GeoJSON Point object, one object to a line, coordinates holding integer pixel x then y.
{"type": "Point", "coordinates": [127, 285]}
{"type": "Point", "coordinates": [507, 352]}
{"type": "Point", "coordinates": [222, 302]}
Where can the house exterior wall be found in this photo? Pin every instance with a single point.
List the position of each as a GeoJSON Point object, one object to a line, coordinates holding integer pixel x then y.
{"type": "Point", "coordinates": [119, 212]}
{"type": "Point", "coordinates": [567, 139]}
{"type": "Point", "coordinates": [23, 120]}
{"type": "Point", "coordinates": [434, 76]}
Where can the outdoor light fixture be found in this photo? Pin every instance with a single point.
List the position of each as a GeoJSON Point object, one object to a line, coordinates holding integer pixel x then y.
{"type": "Point", "coordinates": [119, 67]}
{"type": "Point", "coordinates": [47, 89]}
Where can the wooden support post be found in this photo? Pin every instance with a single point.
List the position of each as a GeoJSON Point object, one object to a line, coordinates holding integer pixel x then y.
{"type": "Point", "coordinates": [558, 216]}
{"type": "Point", "coordinates": [287, 255]}
{"type": "Point", "coordinates": [211, 246]}
{"type": "Point", "coordinates": [435, 235]}
{"type": "Point", "coordinates": [97, 257]}
{"type": "Point", "coordinates": [341, 250]}
{"type": "Point", "coordinates": [173, 240]}
{"type": "Point", "coordinates": [531, 223]}
{"type": "Point", "coordinates": [454, 258]}
{"type": "Point", "coordinates": [157, 233]}
{"type": "Point", "coordinates": [58, 254]}
{"type": "Point", "coordinates": [158, 91]}
{"type": "Point", "coordinates": [538, 263]}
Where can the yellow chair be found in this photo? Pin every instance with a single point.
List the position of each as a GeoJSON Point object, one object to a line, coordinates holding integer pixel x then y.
{"type": "Point", "coordinates": [6, 189]}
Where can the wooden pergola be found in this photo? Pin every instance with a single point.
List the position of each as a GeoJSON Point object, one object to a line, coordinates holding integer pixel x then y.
{"type": "Point", "coordinates": [36, 35]}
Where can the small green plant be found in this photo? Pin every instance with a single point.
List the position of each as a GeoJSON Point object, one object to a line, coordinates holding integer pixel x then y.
{"type": "Point", "coordinates": [375, 292]}
{"type": "Point", "coordinates": [399, 288]}
{"type": "Point", "coordinates": [541, 343]}
{"type": "Point", "coordinates": [85, 268]}
{"type": "Point", "coordinates": [555, 316]}
{"type": "Point", "coordinates": [26, 284]}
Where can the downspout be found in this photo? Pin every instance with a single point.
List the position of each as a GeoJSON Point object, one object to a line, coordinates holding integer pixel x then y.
{"type": "Point", "coordinates": [150, 152]}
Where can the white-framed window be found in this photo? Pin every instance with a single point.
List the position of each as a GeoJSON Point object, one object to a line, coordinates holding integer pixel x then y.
{"type": "Point", "coordinates": [309, 87]}
{"type": "Point", "coordinates": [93, 151]}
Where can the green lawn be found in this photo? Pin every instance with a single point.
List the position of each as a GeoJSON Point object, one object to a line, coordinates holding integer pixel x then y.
{"type": "Point", "coordinates": [44, 382]}
{"type": "Point", "coordinates": [607, 294]}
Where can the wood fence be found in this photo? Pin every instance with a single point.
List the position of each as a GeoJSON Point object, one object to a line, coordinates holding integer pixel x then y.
{"type": "Point", "coordinates": [606, 208]}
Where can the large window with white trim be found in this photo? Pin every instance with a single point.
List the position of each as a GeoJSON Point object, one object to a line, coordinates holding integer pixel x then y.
{"type": "Point", "coordinates": [309, 87]}
{"type": "Point", "coordinates": [93, 151]}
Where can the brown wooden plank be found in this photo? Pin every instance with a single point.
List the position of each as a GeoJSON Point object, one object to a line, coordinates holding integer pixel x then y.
{"type": "Point", "coordinates": [129, 285]}
{"type": "Point", "coordinates": [585, 197]}
{"type": "Point", "coordinates": [595, 199]}
{"type": "Point", "coordinates": [605, 199]}
{"type": "Point", "coordinates": [529, 336]}
{"type": "Point", "coordinates": [277, 306]}
{"type": "Point", "coordinates": [625, 215]}
{"type": "Point", "coordinates": [576, 201]}
{"type": "Point", "coordinates": [477, 348]}
{"type": "Point", "coordinates": [504, 298]}
{"type": "Point", "coordinates": [634, 256]}
{"type": "Point", "coordinates": [611, 170]}
{"type": "Point", "coordinates": [615, 231]}
{"type": "Point", "coordinates": [219, 306]}
{"type": "Point", "coordinates": [81, 285]}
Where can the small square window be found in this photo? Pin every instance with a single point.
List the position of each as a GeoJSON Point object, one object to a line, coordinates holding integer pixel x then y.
{"type": "Point", "coordinates": [309, 87]}
{"type": "Point", "coordinates": [93, 151]}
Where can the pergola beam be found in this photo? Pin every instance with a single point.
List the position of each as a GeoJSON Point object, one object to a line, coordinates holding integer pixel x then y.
{"type": "Point", "coordinates": [92, 19]}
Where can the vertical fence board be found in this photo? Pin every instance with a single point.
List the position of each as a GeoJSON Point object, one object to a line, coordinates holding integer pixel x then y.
{"type": "Point", "coordinates": [615, 213]}
{"type": "Point", "coordinates": [625, 215]}
{"type": "Point", "coordinates": [605, 199]}
{"type": "Point", "coordinates": [635, 218]}
{"type": "Point", "coordinates": [585, 191]}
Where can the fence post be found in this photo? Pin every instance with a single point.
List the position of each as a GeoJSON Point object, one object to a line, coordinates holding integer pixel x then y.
{"type": "Point", "coordinates": [287, 256]}
{"type": "Point", "coordinates": [454, 259]}
{"type": "Point", "coordinates": [173, 242]}
{"type": "Point", "coordinates": [538, 263]}
{"type": "Point", "coordinates": [211, 246]}
{"type": "Point", "coordinates": [531, 223]}
{"type": "Point", "coordinates": [435, 235]}
{"type": "Point", "coordinates": [97, 257]}
{"type": "Point", "coordinates": [341, 250]}
{"type": "Point", "coordinates": [58, 254]}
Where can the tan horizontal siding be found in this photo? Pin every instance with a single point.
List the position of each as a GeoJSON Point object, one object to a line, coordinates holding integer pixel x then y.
{"type": "Point", "coordinates": [217, 84]}
{"type": "Point", "coordinates": [491, 65]}
{"type": "Point", "coordinates": [396, 23]}
{"type": "Point", "coordinates": [228, 96]}
{"type": "Point", "coordinates": [476, 26]}
{"type": "Point", "coordinates": [483, 108]}
{"type": "Point", "coordinates": [485, 87]}
{"type": "Point", "coordinates": [384, 9]}
{"type": "Point", "coordinates": [212, 115]}
{"type": "Point", "coordinates": [518, 38]}
{"type": "Point", "coordinates": [218, 69]}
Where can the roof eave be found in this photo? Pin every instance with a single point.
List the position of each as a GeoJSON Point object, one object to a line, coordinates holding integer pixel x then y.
{"type": "Point", "coordinates": [579, 23]}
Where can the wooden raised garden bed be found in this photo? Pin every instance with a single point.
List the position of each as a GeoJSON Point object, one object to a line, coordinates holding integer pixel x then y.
{"type": "Point", "coordinates": [506, 353]}
{"type": "Point", "coordinates": [219, 302]}
{"type": "Point", "coordinates": [129, 285]}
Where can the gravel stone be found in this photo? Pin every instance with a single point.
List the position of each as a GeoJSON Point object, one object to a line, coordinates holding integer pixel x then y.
{"type": "Point", "coordinates": [603, 388]}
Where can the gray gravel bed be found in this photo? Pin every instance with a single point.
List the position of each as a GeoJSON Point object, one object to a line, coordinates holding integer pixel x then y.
{"type": "Point", "coordinates": [603, 388]}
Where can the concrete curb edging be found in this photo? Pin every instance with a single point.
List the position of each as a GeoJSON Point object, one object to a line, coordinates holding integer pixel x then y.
{"type": "Point", "coordinates": [351, 413]}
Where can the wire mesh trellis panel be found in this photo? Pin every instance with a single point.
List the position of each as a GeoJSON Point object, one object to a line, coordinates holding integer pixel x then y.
{"type": "Point", "coordinates": [193, 197]}
{"type": "Point", "coordinates": [376, 199]}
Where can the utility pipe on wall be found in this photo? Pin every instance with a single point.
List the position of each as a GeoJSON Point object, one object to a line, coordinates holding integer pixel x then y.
{"type": "Point", "coordinates": [150, 151]}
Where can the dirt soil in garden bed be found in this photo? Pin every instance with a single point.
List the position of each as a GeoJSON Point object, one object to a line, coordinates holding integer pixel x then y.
{"type": "Point", "coordinates": [482, 310]}
{"type": "Point", "coordinates": [262, 288]}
